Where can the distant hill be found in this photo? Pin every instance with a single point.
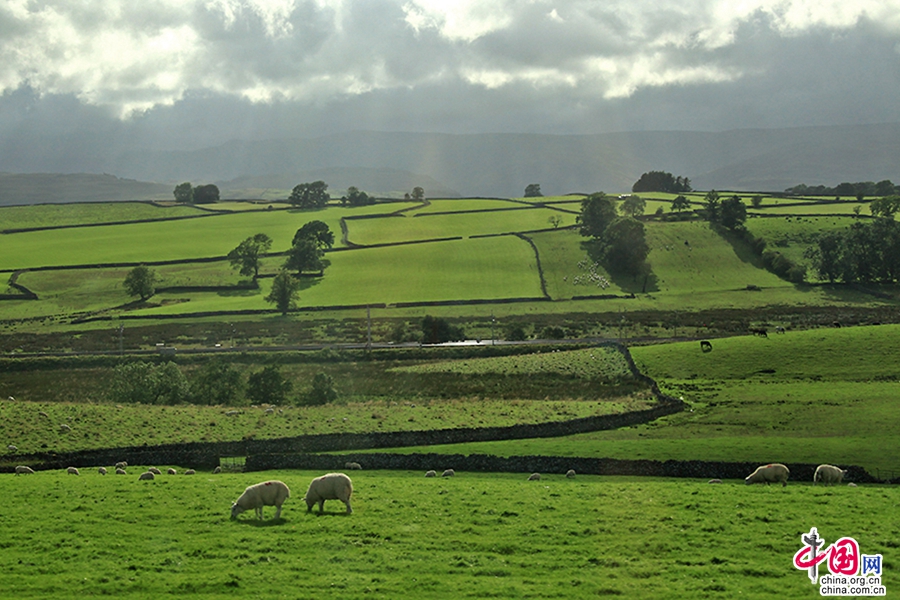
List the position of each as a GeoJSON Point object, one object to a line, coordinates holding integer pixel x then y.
{"type": "Point", "coordinates": [387, 164]}
{"type": "Point", "coordinates": [383, 183]}
{"type": "Point", "coordinates": [37, 188]}
{"type": "Point", "coordinates": [503, 164]}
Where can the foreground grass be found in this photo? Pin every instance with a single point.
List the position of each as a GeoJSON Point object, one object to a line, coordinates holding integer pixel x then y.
{"type": "Point", "coordinates": [475, 535]}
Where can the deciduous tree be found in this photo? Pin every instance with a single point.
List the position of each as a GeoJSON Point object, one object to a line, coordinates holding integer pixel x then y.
{"type": "Point", "coordinates": [284, 292]}
{"type": "Point", "coordinates": [140, 281]}
{"type": "Point", "coordinates": [249, 253]}
{"type": "Point", "coordinates": [310, 195]}
{"type": "Point", "coordinates": [184, 192]}
{"type": "Point", "coordinates": [533, 190]}
{"type": "Point", "coordinates": [597, 212]}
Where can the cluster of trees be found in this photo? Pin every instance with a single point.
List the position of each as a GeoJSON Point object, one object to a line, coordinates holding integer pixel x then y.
{"type": "Point", "coordinates": [857, 190]}
{"type": "Point", "coordinates": [310, 195]}
{"type": "Point", "coordinates": [355, 197]}
{"type": "Point", "coordinates": [660, 181]}
{"type": "Point", "coordinates": [202, 194]}
{"type": "Point", "coordinates": [214, 383]}
{"type": "Point", "coordinates": [306, 254]}
{"type": "Point", "coordinates": [865, 252]}
{"type": "Point", "coordinates": [417, 194]}
{"type": "Point", "coordinates": [533, 190]}
{"type": "Point", "coordinates": [730, 213]}
{"type": "Point", "coordinates": [618, 242]}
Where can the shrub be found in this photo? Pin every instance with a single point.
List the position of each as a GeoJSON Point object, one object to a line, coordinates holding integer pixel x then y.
{"type": "Point", "coordinates": [322, 390]}
{"type": "Point", "coordinates": [552, 333]}
{"type": "Point", "coordinates": [268, 386]}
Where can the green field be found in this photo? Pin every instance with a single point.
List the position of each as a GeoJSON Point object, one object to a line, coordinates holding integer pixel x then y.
{"type": "Point", "coordinates": [473, 535]}
{"type": "Point", "coordinates": [818, 396]}
{"type": "Point", "coordinates": [59, 215]}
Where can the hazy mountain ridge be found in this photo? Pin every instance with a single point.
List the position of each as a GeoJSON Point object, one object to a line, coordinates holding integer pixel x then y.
{"type": "Point", "coordinates": [503, 164]}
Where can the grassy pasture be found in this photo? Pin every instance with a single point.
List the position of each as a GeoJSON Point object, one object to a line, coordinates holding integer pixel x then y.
{"type": "Point", "coordinates": [463, 204]}
{"type": "Point", "coordinates": [488, 268]}
{"type": "Point", "coordinates": [170, 240]}
{"type": "Point", "coordinates": [826, 395]}
{"type": "Point", "coordinates": [409, 228]}
{"type": "Point", "coordinates": [839, 209]}
{"type": "Point", "coordinates": [474, 535]}
{"type": "Point", "coordinates": [56, 215]}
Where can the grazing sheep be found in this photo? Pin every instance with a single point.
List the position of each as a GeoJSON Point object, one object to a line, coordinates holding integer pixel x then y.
{"type": "Point", "coordinates": [217, 470]}
{"type": "Point", "coordinates": [851, 485]}
{"type": "Point", "coordinates": [190, 472]}
{"type": "Point", "coordinates": [828, 474]}
{"type": "Point", "coordinates": [64, 428]}
{"type": "Point", "coordinates": [21, 469]}
{"type": "Point", "coordinates": [121, 464]}
{"type": "Point", "coordinates": [333, 486]}
{"type": "Point", "coordinates": [353, 466]}
{"type": "Point", "coordinates": [102, 470]}
{"type": "Point", "coordinates": [705, 346]}
{"type": "Point", "coordinates": [12, 448]}
{"type": "Point", "coordinates": [43, 414]}
{"type": "Point", "coordinates": [270, 411]}
{"type": "Point", "coordinates": [769, 473]}
{"type": "Point", "coordinates": [534, 477]}
{"type": "Point", "coordinates": [172, 471]}
{"type": "Point", "coordinates": [430, 474]}
{"type": "Point", "coordinates": [267, 493]}
{"type": "Point", "coordinates": [570, 474]}
{"type": "Point", "coordinates": [448, 473]}
{"type": "Point", "coordinates": [146, 476]}
{"type": "Point", "coordinates": [72, 471]}
{"type": "Point", "coordinates": [154, 470]}
{"type": "Point", "coordinates": [714, 481]}
{"type": "Point", "coordinates": [120, 471]}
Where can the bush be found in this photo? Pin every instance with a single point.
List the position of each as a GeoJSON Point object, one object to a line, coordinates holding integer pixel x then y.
{"type": "Point", "coordinates": [322, 390]}
{"type": "Point", "coordinates": [217, 382]}
{"type": "Point", "coordinates": [553, 333]}
{"type": "Point", "coordinates": [145, 383]}
{"type": "Point", "coordinates": [516, 333]}
{"type": "Point", "coordinates": [437, 331]}
{"type": "Point", "coordinates": [268, 386]}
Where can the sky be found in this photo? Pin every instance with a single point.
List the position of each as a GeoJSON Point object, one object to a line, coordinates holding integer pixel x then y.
{"type": "Point", "coordinates": [193, 73]}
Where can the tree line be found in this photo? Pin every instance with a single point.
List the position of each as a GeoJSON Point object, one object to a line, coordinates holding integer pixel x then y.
{"type": "Point", "coordinates": [307, 196]}
{"type": "Point", "coordinates": [216, 382]}
{"type": "Point", "coordinates": [857, 190]}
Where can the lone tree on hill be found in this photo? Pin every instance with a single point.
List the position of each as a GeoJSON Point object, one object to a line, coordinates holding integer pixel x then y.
{"type": "Point", "coordinates": [248, 255]}
{"type": "Point", "coordinates": [624, 246]}
{"type": "Point", "coordinates": [184, 192]}
{"type": "Point", "coordinates": [310, 195]}
{"type": "Point", "coordinates": [732, 213]}
{"type": "Point", "coordinates": [633, 206]}
{"type": "Point", "coordinates": [284, 292]}
{"type": "Point", "coordinates": [597, 212]}
{"type": "Point", "coordinates": [316, 231]}
{"type": "Point", "coordinates": [533, 190]}
{"type": "Point", "coordinates": [206, 194]}
{"type": "Point", "coordinates": [140, 281]}
{"type": "Point", "coordinates": [304, 256]}
{"type": "Point", "coordinates": [418, 194]}
{"type": "Point", "coordinates": [680, 203]}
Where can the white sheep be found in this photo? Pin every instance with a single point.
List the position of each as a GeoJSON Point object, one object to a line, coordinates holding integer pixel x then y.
{"type": "Point", "coordinates": [267, 493]}
{"type": "Point", "coordinates": [172, 471]}
{"type": "Point", "coordinates": [217, 470]}
{"type": "Point", "coordinates": [829, 474]}
{"type": "Point", "coordinates": [72, 471]}
{"type": "Point", "coordinates": [714, 481]}
{"type": "Point", "coordinates": [333, 486]}
{"type": "Point", "coordinates": [775, 472]}
{"type": "Point", "coordinates": [154, 470]}
{"type": "Point", "coordinates": [430, 474]}
{"type": "Point", "coordinates": [43, 414]}
{"type": "Point", "coordinates": [64, 428]}
{"type": "Point", "coordinates": [120, 471]}
{"type": "Point", "coordinates": [146, 476]}
{"type": "Point", "coordinates": [448, 473]}
{"type": "Point", "coordinates": [353, 466]}
{"type": "Point", "coordinates": [12, 448]}
{"type": "Point", "coordinates": [102, 470]}
{"type": "Point", "coordinates": [570, 474]}
{"type": "Point", "coordinates": [121, 464]}
{"type": "Point", "coordinates": [190, 472]}
{"type": "Point", "coordinates": [534, 477]}
{"type": "Point", "coordinates": [851, 485]}
{"type": "Point", "coordinates": [23, 470]}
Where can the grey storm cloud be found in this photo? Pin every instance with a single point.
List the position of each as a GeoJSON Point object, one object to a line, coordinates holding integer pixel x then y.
{"type": "Point", "coordinates": [460, 65]}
